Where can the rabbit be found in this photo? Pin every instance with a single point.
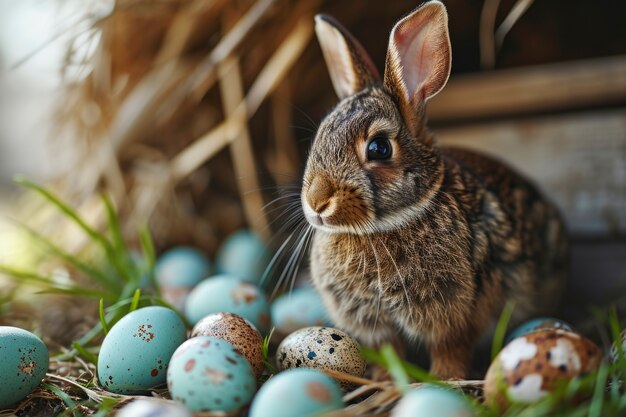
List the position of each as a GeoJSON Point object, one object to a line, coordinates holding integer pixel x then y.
{"type": "Point", "coordinates": [413, 241]}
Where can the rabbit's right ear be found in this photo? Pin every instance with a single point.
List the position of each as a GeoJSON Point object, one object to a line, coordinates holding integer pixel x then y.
{"type": "Point", "coordinates": [350, 67]}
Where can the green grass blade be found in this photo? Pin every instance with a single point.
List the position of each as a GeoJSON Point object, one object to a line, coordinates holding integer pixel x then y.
{"type": "Point", "coordinates": [114, 225]}
{"type": "Point", "coordinates": [50, 286]}
{"type": "Point", "coordinates": [149, 254]}
{"type": "Point", "coordinates": [85, 268]}
{"type": "Point", "coordinates": [500, 332]}
{"type": "Point", "coordinates": [135, 301]}
{"type": "Point", "coordinates": [103, 322]}
{"type": "Point", "coordinates": [395, 367]}
{"type": "Point", "coordinates": [67, 211]}
{"type": "Point", "coordinates": [59, 393]}
{"type": "Point", "coordinates": [76, 291]}
{"type": "Point", "coordinates": [265, 348]}
{"type": "Point", "coordinates": [597, 401]}
{"type": "Point", "coordinates": [82, 351]}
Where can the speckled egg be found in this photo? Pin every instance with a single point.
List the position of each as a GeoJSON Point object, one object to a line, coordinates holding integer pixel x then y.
{"type": "Point", "coordinates": [153, 407]}
{"type": "Point", "coordinates": [535, 325]}
{"type": "Point", "coordinates": [178, 271]}
{"type": "Point", "coordinates": [209, 374]}
{"type": "Point", "coordinates": [136, 351]}
{"type": "Point", "coordinates": [614, 353]}
{"type": "Point", "coordinates": [224, 293]}
{"type": "Point", "coordinates": [236, 330]}
{"type": "Point", "coordinates": [303, 307]}
{"type": "Point", "coordinates": [533, 365]}
{"type": "Point", "coordinates": [297, 393]}
{"type": "Point", "coordinates": [244, 255]}
{"type": "Point", "coordinates": [430, 401]}
{"type": "Point", "coordinates": [23, 364]}
{"type": "Point", "coordinates": [323, 348]}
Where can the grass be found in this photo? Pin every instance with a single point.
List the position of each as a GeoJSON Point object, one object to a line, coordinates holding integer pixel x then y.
{"type": "Point", "coordinates": [120, 281]}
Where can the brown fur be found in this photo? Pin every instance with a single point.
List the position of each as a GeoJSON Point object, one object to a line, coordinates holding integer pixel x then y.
{"type": "Point", "coordinates": [429, 244]}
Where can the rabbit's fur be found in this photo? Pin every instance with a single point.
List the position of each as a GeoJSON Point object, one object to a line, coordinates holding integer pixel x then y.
{"type": "Point", "coordinates": [431, 243]}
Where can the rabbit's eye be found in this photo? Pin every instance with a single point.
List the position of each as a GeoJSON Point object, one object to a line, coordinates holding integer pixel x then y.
{"type": "Point", "coordinates": [379, 148]}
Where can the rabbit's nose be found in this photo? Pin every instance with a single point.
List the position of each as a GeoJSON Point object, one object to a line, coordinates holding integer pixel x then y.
{"type": "Point", "coordinates": [319, 193]}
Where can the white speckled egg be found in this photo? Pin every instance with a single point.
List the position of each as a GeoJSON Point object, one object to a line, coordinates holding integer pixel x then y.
{"type": "Point", "coordinates": [303, 307]}
{"type": "Point", "coordinates": [431, 401]}
{"type": "Point", "coordinates": [297, 393]}
{"type": "Point", "coordinates": [153, 408]}
{"type": "Point", "coordinates": [23, 364]}
{"type": "Point", "coordinates": [533, 365]}
{"type": "Point", "coordinates": [535, 325]}
{"type": "Point", "coordinates": [323, 348]}
{"type": "Point", "coordinates": [136, 351]}
{"type": "Point", "coordinates": [225, 293]}
{"type": "Point", "coordinates": [209, 374]}
{"type": "Point", "coordinates": [178, 271]}
{"type": "Point", "coordinates": [236, 330]}
{"type": "Point", "coordinates": [244, 255]}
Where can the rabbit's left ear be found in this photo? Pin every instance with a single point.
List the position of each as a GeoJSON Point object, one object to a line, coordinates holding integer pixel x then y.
{"type": "Point", "coordinates": [418, 59]}
{"type": "Point", "coordinates": [350, 67]}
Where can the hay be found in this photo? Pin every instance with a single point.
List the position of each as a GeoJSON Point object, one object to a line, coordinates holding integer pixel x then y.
{"type": "Point", "coordinates": [170, 86]}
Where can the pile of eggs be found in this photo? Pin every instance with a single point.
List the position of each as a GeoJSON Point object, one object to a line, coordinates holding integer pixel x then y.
{"type": "Point", "coordinates": [218, 367]}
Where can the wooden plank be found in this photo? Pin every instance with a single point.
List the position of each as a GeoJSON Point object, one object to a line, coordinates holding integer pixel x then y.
{"type": "Point", "coordinates": [553, 87]}
{"type": "Point", "coordinates": [578, 159]}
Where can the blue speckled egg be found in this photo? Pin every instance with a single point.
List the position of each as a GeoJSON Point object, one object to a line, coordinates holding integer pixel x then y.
{"type": "Point", "coordinates": [430, 401]}
{"type": "Point", "coordinates": [178, 270]}
{"type": "Point", "coordinates": [535, 325]}
{"type": "Point", "coordinates": [303, 307]}
{"type": "Point", "coordinates": [209, 374]}
{"type": "Point", "coordinates": [224, 293]}
{"type": "Point", "coordinates": [136, 351]}
{"type": "Point", "coordinates": [23, 364]}
{"type": "Point", "coordinates": [298, 392]}
{"type": "Point", "coordinates": [152, 407]}
{"type": "Point", "coordinates": [244, 255]}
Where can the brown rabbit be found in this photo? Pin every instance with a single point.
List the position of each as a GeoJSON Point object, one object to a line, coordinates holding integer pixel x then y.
{"type": "Point", "coordinates": [415, 241]}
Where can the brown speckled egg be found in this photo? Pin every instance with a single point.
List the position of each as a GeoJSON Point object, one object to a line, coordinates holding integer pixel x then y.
{"type": "Point", "coordinates": [531, 366]}
{"type": "Point", "coordinates": [236, 330]}
{"type": "Point", "coordinates": [323, 348]}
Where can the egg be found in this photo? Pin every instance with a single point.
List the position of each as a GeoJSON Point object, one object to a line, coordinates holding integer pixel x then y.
{"type": "Point", "coordinates": [209, 374]}
{"type": "Point", "coordinates": [531, 366]}
{"type": "Point", "coordinates": [542, 323]}
{"type": "Point", "coordinates": [244, 255]}
{"type": "Point", "coordinates": [297, 393]}
{"type": "Point", "coordinates": [153, 408]}
{"type": "Point", "coordinates": [614, 353]}
{"type": "Point", "coordinates": [236, 330]}
{"type": "Point", "coordinates": [178, 271]}
{"type": "Point", "coordinates": [137, 349]}
{"type": "Point", "coordinates": [324, 348]}
{"type": "Point", "coordinates": [224, 293]}
{"type": "Point", "coordinates": [23, 364]}
{"type": "Point", "coordinates": [431, 400]}
{"type": "Point", "coordinates": [303, 307]}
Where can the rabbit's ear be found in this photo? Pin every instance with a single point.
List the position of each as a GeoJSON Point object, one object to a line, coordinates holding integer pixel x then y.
{"type": "Point", "coordinates": [418, 59]}
{"type": "Point", "coordinates": [350, 67]}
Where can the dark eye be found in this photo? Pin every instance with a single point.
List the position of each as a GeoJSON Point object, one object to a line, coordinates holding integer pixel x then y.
{"type": "Point", "coordinates": [379, 148]}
